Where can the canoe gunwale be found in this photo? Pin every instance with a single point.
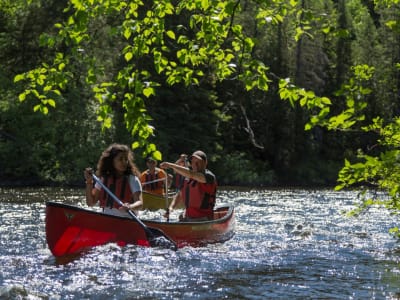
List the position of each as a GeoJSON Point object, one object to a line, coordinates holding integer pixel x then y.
{"type": "Point", "coordinates": [223, 219]}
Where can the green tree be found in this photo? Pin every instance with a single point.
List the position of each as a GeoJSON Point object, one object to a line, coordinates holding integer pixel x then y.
{"type": "Point", "coordinates": [377, 165]}
{"type": "Point", "coordinates": [53, 147]}
{"type": "Point", "coordinates": [208, 47]}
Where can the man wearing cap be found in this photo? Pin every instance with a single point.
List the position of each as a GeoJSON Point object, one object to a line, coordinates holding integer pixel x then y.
{"type": "Point", "coordinates": [153, 179]}
{"type": "Point", "coordinates": [199, 188]}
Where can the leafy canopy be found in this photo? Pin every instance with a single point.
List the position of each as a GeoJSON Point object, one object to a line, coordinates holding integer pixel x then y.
{"type": "Point", "coordinates": [208, 45]}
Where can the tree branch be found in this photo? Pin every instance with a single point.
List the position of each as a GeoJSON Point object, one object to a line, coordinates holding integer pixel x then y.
{"type": "Point", "coordinates": [249, 129]}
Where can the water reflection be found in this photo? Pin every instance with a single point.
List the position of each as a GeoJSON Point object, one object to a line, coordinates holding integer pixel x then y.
{"type": "Point", "coordinates": [288, 244]}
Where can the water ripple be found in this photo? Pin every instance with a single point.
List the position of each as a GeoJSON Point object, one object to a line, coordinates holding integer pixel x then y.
{"type": "Point", "coordinates": [288, 244]}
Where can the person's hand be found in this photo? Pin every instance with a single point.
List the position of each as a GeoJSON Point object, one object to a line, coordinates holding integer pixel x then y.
{"type": "Point", "coordinates": [164, 165]}
{"type": "Point", "coordinates": [125, 207]}
{"type": "Point", "coordinates": [183, 158]}
{"type": "Point", "coordinates": [88, 174]}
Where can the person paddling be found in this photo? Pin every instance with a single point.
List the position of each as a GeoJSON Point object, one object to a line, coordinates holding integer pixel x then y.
{"type": "Point", "coordinates": [199, 189]}
{"type": "Point", "coordinates": [153, 179]}
{"type": "Point", "coordinates": [119, 174]}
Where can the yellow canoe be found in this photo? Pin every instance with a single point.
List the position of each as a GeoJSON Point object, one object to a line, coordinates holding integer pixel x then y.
{"type": "Point", "coordinates": [156, 202]}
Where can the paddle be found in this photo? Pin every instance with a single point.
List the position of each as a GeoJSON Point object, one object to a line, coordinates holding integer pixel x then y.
{"type": "Point", "coordinates": [166, 196]}
{"type": "Point", "coordinates": [156, 237]}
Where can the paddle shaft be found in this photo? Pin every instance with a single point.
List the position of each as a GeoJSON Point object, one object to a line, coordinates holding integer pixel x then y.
{"type": "Point", "coordinates": [166, 197]}
{"type": "Point", "coordinates": [153, 181]}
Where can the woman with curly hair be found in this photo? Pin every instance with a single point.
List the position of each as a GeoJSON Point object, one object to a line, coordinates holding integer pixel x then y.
{"type": "Point", "coordinates": [119, 173]}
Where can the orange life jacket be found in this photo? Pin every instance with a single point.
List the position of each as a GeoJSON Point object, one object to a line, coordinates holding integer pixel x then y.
{"type": "Point", "coordinates": [156, 187]}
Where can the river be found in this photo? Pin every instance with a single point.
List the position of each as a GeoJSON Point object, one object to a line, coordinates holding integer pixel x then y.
{"type": "Point", "coordinates": [289, 244]}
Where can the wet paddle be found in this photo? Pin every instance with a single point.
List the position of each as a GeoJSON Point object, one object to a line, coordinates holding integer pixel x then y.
{"type": "Point", "coordinates": [156, 237]}
{"type": "Point", "coordinates": [166, 197]}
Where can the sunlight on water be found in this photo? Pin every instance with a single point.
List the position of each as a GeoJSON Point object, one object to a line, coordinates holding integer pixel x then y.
{"type": "Point", "coordinates": [287, 243]}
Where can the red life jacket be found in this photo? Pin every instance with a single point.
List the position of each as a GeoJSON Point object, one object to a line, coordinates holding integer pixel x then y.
{"type": "Point", "coordinates": [199, 198]}
{"type": "Point", "coordinates": [119, 187]}
{"type": "Point", "coordinates": [179, 181]}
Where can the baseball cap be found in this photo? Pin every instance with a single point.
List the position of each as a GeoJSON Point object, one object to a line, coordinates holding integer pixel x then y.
{"type": "Point", "coordinates": [150, 158]}
{"type": "Point", "coordinates": [199, 155]}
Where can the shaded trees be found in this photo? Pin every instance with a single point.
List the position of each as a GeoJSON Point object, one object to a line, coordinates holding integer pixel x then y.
{"type": "Point", "coordinates": [201, 74]}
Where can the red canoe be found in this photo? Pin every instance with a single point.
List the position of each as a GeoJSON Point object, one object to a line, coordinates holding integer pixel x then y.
{"type": "Point", "coordinates": [71, 229]}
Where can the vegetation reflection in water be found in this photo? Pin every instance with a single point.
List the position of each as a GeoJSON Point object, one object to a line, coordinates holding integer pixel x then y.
{"type": "Point", "coordinates": [288, 243]}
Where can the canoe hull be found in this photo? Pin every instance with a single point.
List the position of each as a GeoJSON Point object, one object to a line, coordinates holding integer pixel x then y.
{"type": "Point", "coordinates": [156, 202]}
{"type": "Point", "coordinates": [71, 229]}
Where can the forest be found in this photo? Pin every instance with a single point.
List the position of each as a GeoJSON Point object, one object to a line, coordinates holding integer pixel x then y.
{"type": "Point", "coordinates": [277, 93]}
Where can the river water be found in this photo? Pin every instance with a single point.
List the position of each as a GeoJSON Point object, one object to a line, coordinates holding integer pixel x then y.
{"type": "Point", "coordinates": [289, 244]}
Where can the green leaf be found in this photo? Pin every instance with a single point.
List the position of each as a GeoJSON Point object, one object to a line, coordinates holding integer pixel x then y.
{"type": "Point", "coordinates": [148, 92]}
{"type": "Point", "coordinates": [22, 97]}
{"type": "Point", "coordinates": [128, 56]}
{"type": "Point", "coordinates": [205, 4]}
{"type": "Point", "coordinates": [19, 77]}
{"type": "Point", "coordinates": [308, 126]}
{"type": "Point", "coordinates": [171, 34]}
{"type": "Point", "coordinates": [61, 66]}
{"type": "Point", "coordinates": [157, 155]}
{"type": "Point", "coordinates": [51, 102]}
{"type": "Point", "coordinates": [127, 33]}
{"type": "Point", "coordinates": [135, 145]}
{"type": "Point", "coordinates": [107, 122]}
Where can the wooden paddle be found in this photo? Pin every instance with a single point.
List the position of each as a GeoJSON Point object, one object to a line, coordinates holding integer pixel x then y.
{"type": "Point", "coordinates": [156, 237]}
{"type": "Point", "coordinates": [166, 197]}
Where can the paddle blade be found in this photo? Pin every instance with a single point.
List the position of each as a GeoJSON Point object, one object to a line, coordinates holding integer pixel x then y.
{"type": "Point", "coordinates": [157, 238]}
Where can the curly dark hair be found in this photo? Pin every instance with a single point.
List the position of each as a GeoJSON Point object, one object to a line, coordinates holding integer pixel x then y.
{"type": "Point", "coordinates": [105, 165]}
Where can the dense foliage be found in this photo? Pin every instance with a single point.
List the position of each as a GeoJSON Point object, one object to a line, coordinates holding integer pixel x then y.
{"type": "Point", "coordinates": [173, 76]}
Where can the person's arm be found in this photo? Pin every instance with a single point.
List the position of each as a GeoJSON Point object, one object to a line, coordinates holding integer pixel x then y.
{"type": "Point", "coordinates": [136, 205]}
{"type": "Point", "coordinates": [137, 201]}
{"type": "Point", "coordinates": [137, 198]}
{"type": "Point", "coordinates": [170, 180]}
{"type": "Point", "coordinates": [92, 194]}
{"type": "Point", "coordinates": [189, 173]}
{"type": "Point", "coordinates": [177, 199]}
